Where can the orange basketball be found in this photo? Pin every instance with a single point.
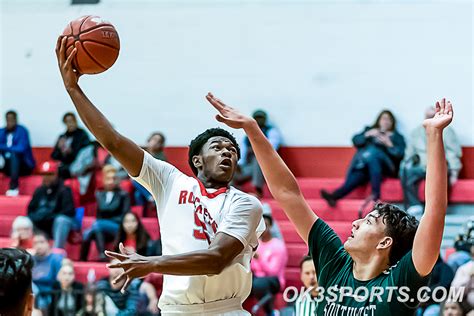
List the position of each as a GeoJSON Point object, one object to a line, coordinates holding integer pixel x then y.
{"type": "Point", "coordinates": [97, 44]}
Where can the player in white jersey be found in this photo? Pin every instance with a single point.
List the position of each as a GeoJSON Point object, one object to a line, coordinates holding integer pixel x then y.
{"type": "Point", "coordinates": [209, 229]}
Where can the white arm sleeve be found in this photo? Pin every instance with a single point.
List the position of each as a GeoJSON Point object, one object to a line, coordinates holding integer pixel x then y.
{"type": "Point", "coordinates": [157, 177]}
{"type": "Point", "coordinates": [244, 221]}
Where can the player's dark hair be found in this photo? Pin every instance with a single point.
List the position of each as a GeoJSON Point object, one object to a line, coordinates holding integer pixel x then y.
{"type": "Point", "coordinates": [399, 225]}
{"type": "Point", "coordinates": [11, 112]}
{"type": "Point", "coordinates": [196, 144]}
{"type": "Point", "coordinates": [141, 235]}
{"type": "Point", "coordinates": [392, 117]}
{"type": "Point", "coordinates": [15, 280]}
{"type": "Point", "coordinates": [158, 134]}
{"type": "Point", "coordinates": [304, 259]}
{"type": "Point", "coordinates": [69, 114]}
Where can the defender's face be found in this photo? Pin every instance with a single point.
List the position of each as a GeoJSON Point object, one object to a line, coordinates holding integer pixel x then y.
{"type": "Point", "coordinates": [367, 233]}
{"type": "Point", "coordinates": [219, 159]}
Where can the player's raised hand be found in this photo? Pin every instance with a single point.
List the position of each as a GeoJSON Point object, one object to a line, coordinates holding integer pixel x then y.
{"type": "Point", "coordinates": [133, 264]}
{"type": "Point", "coordinates": [443, 116]}
{"type": "Point", "coordinates": [228, 115]}
{"type": "Point", "coordinates": [68, 73]}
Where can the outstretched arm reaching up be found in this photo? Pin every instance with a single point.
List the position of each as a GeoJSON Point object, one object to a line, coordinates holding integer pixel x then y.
{"type": "Point", "coordinates": [280, 180]}
{"type": "Point", "coordinates": [123, 149]}
{"type": "Point", "coordinates": [428, 237]}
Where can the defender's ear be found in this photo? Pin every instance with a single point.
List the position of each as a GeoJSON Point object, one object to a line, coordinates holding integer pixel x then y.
{"type": "Point", "coordinates": [385, 243]}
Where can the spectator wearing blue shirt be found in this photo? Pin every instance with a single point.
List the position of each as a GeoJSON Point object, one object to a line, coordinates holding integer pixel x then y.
{"type": "Point", "coordinates": [249, 170]}
{"type": "Point", "coordinates": [45, 270]}
{"type": "Point", "coordinates": [116, 302]}
{"type": "Point", "coordinates": [16, 156]}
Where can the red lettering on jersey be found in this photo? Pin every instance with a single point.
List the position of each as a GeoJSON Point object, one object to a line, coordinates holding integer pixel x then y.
{"type": "Point", "coordinates": [182, 197]}
{"type": "Point", "coordinates": [191, 197]}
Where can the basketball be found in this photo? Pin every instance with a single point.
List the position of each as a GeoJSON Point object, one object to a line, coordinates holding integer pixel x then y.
{"type": "Point", "coordinates": [97, 44]}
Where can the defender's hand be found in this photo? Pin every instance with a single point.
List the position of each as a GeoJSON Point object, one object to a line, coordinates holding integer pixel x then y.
{"type": "Point", "coordinates": [68, 73]}
{"type": "Point", "coordinates": [443, 116]}
{"type": "Point", "coordinates": [228, 115]}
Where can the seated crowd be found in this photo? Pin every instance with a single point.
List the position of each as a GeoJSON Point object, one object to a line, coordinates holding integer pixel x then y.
{"type": "Point", "coordinates": [54, 213]}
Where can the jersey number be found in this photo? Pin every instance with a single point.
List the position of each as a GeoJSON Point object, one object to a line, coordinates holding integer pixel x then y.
{"type": "Point", "coordinates": [199, 232]}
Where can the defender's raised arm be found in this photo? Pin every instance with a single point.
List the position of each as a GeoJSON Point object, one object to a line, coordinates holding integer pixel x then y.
{"type": "Point", "coordinates": [281, 182]}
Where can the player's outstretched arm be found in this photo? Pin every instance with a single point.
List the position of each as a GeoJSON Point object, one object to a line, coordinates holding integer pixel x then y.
{"type": "Point", "coordinates": [428, 237]}
{"type": "Point", "coordinates": [222, 250]}
{"type": "Point", "coordinates": [124, 150]}
{"type": "Point", "coordinates": [281, 182]}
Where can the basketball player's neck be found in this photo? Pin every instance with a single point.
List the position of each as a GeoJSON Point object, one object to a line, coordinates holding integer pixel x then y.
{"type": "Point", "coordinates": [210, 183]}
{"type": "Point", "coordinates": [367, 267]}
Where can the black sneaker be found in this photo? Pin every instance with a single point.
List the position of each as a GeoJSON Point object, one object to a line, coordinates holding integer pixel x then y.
{"type": "Point", "coordinates": [329, 198]}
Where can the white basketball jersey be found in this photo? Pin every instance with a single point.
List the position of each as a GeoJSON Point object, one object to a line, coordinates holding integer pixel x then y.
{"type": "Point", "coordinates": [190, 216]}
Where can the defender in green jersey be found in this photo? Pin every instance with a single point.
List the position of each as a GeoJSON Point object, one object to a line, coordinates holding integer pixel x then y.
{"type": "Point", "coordinates": [389, 256]}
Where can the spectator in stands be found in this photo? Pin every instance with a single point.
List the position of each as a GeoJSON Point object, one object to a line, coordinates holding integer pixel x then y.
{"type": "Point", "coordinates": [51, 208]}
{"type": "Point", "coordinates": [380, 149]}
{"type": "Point", "coordinates": [268, 266]}
{"type": "Point", "coordinates": [69, 144]}
{"type": "Point", "coordinates": [275, 230]}
{"type": "Point", "coordinates": [16, 296]}
{"type": "Point", "coordinates": [133, 235]}
{"type": "Point", "coordinates": [67, 294]}
{"type": "Point", "coordinates": [441, 276]}
{"type": "Point", "coordinates": [413, 167]}
{"type": "Point", "coordinates": [452, 308]}
{"type": "Point", "coordinates": [16, 156]}
{"type": "Point", "coordinates": [112, 203]}
{"type": "Point", "coordinates": [45, 270]}
{"type": "Point", "coordinates": [464, 277]}
{"type": "Point", "coordinates": [94, 304]}
{"type": "Point", "coordinates": [117, 303]}
{"type": "Point", "coordinates": [305, 305]}
{"type": "Point", "coordinates": [155, 146]}
{"type": "Point", "coordinates": [249, 170]}
{"type": "Point", "coordinates": [22, 233]}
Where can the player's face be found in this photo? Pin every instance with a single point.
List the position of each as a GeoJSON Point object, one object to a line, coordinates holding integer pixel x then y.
{"type": "Point", "coordinates": [308, 274]}
{"type": "Point", "coordinates": [368, 235]}
{"type": "Point", "coordinates": [219, 159]}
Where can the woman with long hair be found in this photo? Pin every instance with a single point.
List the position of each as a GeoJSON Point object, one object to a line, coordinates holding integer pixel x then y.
{"type": "Point", "coordinates": [380, 149]}
{"type": "Point", "coordinates": [133, 235]}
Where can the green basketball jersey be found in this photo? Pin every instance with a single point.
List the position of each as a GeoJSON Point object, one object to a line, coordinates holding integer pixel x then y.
{"type": "Point", "coordinates": [394, 292]}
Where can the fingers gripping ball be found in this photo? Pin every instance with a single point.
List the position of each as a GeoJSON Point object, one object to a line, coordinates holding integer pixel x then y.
{"type": "Point", "coordinates": [97, 43]}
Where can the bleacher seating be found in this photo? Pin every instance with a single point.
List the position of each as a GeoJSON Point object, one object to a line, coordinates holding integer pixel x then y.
{"type": "Point", "coordinates": [315, 168]}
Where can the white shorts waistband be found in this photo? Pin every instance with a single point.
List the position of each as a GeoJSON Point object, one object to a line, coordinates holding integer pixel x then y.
{"type": "Point", "coordinates": [211, 308]}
